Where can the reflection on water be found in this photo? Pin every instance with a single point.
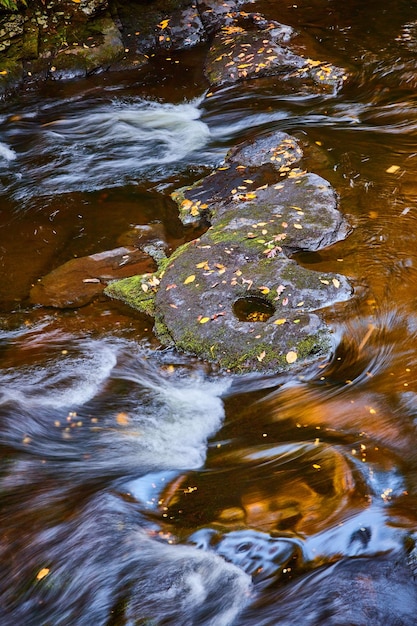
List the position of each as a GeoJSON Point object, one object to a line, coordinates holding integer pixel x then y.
{"type": "Point", "coordinates": [140, 486]}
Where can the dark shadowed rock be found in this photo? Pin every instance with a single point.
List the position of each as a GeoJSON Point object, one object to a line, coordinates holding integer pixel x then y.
{"type": "Point", "coordinates": [249, 46]}
{"type": "Point", "coordinates": [354, 592]}
{"type": "Point", "coordinates": [78, 281]}
{"type": "Point", "coordinates": [233, 296]}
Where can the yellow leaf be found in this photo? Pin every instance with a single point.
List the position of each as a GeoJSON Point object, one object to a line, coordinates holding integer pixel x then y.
{"type": "Point", "coordinates": [3, 72]}
{"type": "Point", "coordinates": [186, 204]}
{"type": "Point", "coordinates": [261, 356]}
{"type": "Point", "coordinates": [264, 290]}
{"type": "Point", "coordinates": [392, 169]}
{"type": "Point", "coordinates": [336, 283]}
{"type": "Point", "coordinates": [203, 264]}
{"type": "Point", "coordinates": [42, 573]}
{"type": "Point", "coordinates": [204, 320]}
{"type": "Point", "coordinates": [122, 419]}
{"type": "Point", "coordinates": [194, 210]}
{"type": "Point", "coordinates": [291, 357]}
{"type": "Point", "coordinates": [189, 279]}
{"type": "Point", "coordinates": [298, 226]}
{"type": "Point", "coordinates": [163, 24]}
{"type": "Point", "coordinates": [280, 321]}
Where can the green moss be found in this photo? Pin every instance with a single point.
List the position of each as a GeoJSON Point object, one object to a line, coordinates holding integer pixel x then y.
{"type": "Point", "coordinates": [130, 291]}
{"type": "Point", "coordinates": [242, 361]}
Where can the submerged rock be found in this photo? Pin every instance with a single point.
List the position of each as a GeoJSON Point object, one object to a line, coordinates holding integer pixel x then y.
{"type": "Point", "coordinates": [78, 281]}
{"type": "Point", "coordinates": [234, 296]}
{"type": "Point", "coordinates": [358, 592]}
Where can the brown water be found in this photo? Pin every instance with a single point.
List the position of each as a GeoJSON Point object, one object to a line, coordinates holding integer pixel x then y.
{"type": "Point", "coordinates": [140, 484]}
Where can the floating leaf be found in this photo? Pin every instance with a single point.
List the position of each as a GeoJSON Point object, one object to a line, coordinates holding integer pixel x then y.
{"type": "Point", "coordinates": [291, 356]}
{"type": "Point", "coordinates": [42, 573]}
{"type": "Point", "coordinates": [189, 279]}
{"type": "Point", "coordinates": [122, 419]}
{"type": "Point", "coordinates": [392, 169]}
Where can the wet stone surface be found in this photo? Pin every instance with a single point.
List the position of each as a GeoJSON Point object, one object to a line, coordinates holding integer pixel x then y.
{"type": "Point", "coordinates": [199, 293]}
{"type": "Point", "coordinates": [249, 46]}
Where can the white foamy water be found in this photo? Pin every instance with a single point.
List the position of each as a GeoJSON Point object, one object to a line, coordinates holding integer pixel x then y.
{"type": "Point", "coordinates": [6, 153]}
{"type": "Point", "coordinates": [108, 144]}
{"type": "Point", "coordinates": [174, 417]}
{"type": "Point", "coordinates": [170, 416]}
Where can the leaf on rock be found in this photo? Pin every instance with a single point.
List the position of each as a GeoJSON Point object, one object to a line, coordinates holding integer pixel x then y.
{"type": "Point", "coordinates": [189, 279]}
{"type": "Point", "coordinates": [291, 356]}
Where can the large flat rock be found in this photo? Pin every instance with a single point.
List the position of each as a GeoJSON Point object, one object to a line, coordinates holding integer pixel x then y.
{"type": "Point", "coordinates": [235, 296]}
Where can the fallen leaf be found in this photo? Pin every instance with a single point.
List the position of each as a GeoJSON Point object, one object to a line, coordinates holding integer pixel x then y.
{"type": "Point", "coordinates": [189, 279]}
{"type": "Point", "coordinates": [280, 321]}
{"type": "Point", "coordinates": [291, 357]}
{"type": "Point", "coordinates": [392, 169]}
{"type": "Point", "coordinates": [336, 283]}
{"type": "Point", "coordinates": [42, 573]}
{"type": "Point", "coordinates": [204, 320]}
{"type": "Point", "coordinates": [264, 289]}
{"type": "Point", "coordinates": [122, 419]}
{"type": "Point", "coordinates": [261, 356]}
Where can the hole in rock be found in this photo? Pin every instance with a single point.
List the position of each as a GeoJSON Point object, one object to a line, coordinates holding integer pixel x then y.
{"type": "Point", "coordinates": [253, 309]}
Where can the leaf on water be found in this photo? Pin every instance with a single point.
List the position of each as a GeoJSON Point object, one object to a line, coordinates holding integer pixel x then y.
{"type": "Point", "coordinates": [42, 573]}
{"type": "Point", "coordinates": [392, 169]}
{"type": "Point", "coordinates": [291, 356]}
{"type": "Point", "coordinates": [204, 320]}
{"type": "Point", "coordinates": [280, 321]}
{"type": "Point", "coordinates": [189, 279]}
{"type": "Point", "coordinates": [122, 419]}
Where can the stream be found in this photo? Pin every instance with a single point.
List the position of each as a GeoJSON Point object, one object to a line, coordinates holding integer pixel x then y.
{"type": "Point", "coordinates": [143, 487]}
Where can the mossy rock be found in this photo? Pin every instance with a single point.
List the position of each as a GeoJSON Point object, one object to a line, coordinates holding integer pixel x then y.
{"type": "Point", "coordinates": [234, 296]}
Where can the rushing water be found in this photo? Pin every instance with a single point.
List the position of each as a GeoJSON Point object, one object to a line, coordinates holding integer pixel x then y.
{"type": "Point", "coordinates": [140, 486]}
